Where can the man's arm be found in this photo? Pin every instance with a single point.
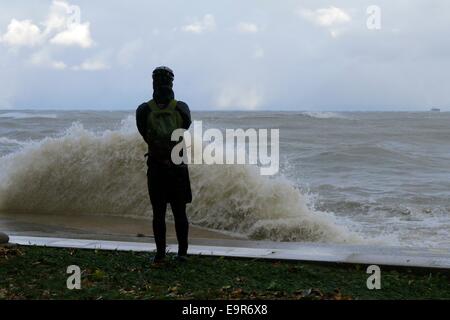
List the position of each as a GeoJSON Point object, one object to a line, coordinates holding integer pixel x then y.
{"type": "Point", "coordinates": [183, 108]}
{"type": "Point", "coordinates": [141, 120]}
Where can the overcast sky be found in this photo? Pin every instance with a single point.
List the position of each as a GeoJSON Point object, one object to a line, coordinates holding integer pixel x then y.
{"type": "Point", "coordinates": [227, 55]}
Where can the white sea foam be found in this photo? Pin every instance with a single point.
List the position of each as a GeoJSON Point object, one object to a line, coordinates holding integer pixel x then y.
{"type": "Point", "coordinates": [324, 115]}
{"type": "Point", "coordinates": [25, 115]}
{"type": "Point", "coordinates": [8, 141]}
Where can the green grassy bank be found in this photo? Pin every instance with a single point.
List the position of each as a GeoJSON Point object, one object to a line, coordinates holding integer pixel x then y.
{"type": "Point", "coordinates": [40, 273]}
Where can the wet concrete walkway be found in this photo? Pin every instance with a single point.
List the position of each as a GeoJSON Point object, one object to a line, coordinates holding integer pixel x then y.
{"type": "Point", "coordinates": [360, 254]}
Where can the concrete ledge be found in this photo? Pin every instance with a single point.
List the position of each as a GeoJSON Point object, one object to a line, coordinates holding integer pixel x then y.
{"type": "Point", "coordinates": [389, 256]}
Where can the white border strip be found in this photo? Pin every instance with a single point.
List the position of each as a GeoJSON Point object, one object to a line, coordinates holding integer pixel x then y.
{"type": "Point", "coordinates": [301, 253]}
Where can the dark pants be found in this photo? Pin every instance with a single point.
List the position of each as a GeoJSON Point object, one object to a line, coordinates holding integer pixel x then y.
{"type": "Point", "coordinates": [181, 226]}
{"type": "Point", "coordinates": [169, 185]}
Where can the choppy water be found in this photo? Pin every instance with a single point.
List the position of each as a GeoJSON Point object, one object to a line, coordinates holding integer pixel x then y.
{"type": "Point", "coordinates": [345, 177]}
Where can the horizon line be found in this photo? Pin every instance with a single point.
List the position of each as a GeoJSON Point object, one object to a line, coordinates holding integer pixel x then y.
{"type": "Point", "coordinates": [3, 109]}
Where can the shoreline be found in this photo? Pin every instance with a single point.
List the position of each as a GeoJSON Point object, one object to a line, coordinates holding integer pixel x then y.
{"type": "Point", "coordinates": [266, 250]}
{"type": "Point", "coordinates": [100, 232]}
{"type": "Point", "coordinates": [95, 227]}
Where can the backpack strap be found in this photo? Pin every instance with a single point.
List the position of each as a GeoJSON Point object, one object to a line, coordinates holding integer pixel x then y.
{"type": "Point", "coordinates": [154, 107]}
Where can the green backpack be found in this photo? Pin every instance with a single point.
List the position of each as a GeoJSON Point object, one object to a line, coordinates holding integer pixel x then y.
{"type": "Point", "coordinates": [161, 123]}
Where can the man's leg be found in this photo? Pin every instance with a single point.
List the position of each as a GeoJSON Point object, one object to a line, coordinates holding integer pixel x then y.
{"type": "Point", "coordinates": [181, 226]}
{"type": "Point", "coordinates": [159, 228]}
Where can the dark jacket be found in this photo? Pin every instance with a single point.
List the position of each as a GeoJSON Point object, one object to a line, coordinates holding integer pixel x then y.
{"type": "Point", "coordinates": [166, 183]}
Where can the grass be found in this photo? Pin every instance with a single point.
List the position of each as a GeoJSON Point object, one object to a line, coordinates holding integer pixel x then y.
{"type": "Point", "coordinates": [40, 273]}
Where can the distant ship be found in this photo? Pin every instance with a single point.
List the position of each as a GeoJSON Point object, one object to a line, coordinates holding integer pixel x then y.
{"type": "Point", "coordinates": [435, 109]}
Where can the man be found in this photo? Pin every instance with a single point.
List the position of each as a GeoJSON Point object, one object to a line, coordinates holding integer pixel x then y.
{"type": "Point", "coordinates": [167, 182]}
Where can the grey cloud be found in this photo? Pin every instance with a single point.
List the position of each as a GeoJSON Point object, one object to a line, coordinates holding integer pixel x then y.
{"type": "Point", "coordinates": [299, 65]}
